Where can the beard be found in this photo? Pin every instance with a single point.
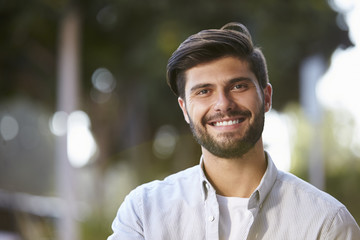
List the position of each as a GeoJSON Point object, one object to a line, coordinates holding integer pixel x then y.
{"type": "Point", "coordinates": [229, 144]}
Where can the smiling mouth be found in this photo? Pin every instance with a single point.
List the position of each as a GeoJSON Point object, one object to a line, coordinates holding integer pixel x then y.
{"type": "Point", "coordinates": [227, 123]}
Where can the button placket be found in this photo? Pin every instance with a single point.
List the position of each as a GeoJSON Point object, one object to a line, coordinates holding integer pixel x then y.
{"type": "Point", "coordinates": [211, 213]}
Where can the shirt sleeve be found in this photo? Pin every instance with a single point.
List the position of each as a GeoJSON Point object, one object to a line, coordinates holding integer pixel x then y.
{"type": "Point", "coordinates": [343, 226]}
{"type": "Point", "coordinates": [127, 224]}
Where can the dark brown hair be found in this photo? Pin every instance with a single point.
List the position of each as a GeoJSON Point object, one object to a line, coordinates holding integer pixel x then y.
{"type": "Point", "coordinates": [233, 39]}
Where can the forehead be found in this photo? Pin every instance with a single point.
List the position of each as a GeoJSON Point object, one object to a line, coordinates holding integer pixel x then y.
{"type": "Point", "coordinates": [218, 71]}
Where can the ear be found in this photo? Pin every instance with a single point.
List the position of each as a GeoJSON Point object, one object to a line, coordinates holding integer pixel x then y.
{"type": "Point", "coordinates": [268, 97]}
{"type": "Point", "coordinates": [183, 108]}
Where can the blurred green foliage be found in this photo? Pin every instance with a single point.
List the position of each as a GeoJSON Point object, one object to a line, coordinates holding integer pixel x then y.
{"type": "Point", "coordinates": [134, 39]}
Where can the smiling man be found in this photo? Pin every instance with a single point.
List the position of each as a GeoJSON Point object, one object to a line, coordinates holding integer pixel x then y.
{"type": "Point", "coordinates": [236, 192]}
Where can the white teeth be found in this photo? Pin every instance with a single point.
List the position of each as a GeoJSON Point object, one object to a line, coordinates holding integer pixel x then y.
{"type": "Point", "coordinates": [227, 123]}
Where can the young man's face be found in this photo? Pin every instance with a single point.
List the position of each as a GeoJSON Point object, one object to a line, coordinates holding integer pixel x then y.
{"type": "Point", "coordinates": [224, 105]}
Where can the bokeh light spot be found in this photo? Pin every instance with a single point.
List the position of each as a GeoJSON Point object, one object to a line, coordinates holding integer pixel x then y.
{"type": "Point", "coordinates": [103, 80]}
{"type": "Point", "coordinates": [165, 141]}
{"type": "Point", "coordinates": [9, 127]}
{"type": "Point", "coordinates": [58, 123]}
{"type": "Point", "coordinates": [80, 142]}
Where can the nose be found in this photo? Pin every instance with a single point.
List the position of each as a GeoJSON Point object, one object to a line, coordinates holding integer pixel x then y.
{"type": "Point", "coordinates": [223, 103]}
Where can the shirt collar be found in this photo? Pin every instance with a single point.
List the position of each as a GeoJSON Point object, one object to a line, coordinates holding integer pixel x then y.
{"type": "Point", "coordinates": [260, 193]}
{"type": "Point", "coordinates": [205, 184]}
{"type": "Point", "coordinates": [266, 183]}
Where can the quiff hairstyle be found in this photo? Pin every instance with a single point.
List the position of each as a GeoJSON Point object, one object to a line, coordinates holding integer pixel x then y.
{"type": "Point", "coordinates": [233, 39]}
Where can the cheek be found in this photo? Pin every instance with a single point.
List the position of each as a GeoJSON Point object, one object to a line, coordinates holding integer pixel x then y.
{"type": "Point", "coordinates": [253, 102]}
{"type": "Point", "coordinates": [249, 99]}
{"type": "Point", "coordinates": [197, 113]}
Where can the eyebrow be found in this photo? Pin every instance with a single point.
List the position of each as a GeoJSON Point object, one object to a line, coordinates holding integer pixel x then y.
{"type": "Point", "coordinates": [199, 86]}
{"type": "Point", "coordinates": [240, 79]}
{"type": "Point", "coordinates": [231, 81]}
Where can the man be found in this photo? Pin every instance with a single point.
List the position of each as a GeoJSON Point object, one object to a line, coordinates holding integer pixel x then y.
{"type": "Point", "coordinates": [235, 192]}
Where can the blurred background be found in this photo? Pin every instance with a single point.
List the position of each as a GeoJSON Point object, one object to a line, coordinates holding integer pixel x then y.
{"type": "Point", "coordinates": [86, 115]}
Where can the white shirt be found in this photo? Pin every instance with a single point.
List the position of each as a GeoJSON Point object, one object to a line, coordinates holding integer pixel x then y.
{"type": "Point", "coordinates": [235, 218]}
{"type": "Point", "coordinates": [184, 206]}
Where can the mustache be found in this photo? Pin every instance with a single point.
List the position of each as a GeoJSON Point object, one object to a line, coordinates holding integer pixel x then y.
{"type": "Point", "coordinates": [218, 116]}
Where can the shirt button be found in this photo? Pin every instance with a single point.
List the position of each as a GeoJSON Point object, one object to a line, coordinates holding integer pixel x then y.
{"type": "Point", "coordinates": [211, 218]}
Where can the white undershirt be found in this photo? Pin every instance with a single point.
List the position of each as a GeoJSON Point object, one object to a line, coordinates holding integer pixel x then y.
{"type": "Point", "coordinates": [235, 218]}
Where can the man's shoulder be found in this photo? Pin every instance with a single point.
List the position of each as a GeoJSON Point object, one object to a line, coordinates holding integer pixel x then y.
{"type": "Point", "coordinates": [305, 192]}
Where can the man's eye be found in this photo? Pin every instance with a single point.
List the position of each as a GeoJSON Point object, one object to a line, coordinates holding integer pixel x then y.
{"type": "Point", "coordinates": [240, 87]}
{"type": "Point", "coordinates": [202, 92]}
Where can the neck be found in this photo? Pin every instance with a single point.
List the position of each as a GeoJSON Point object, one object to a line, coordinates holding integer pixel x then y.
{"type": "Point", "coordinates": [236, 177]}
